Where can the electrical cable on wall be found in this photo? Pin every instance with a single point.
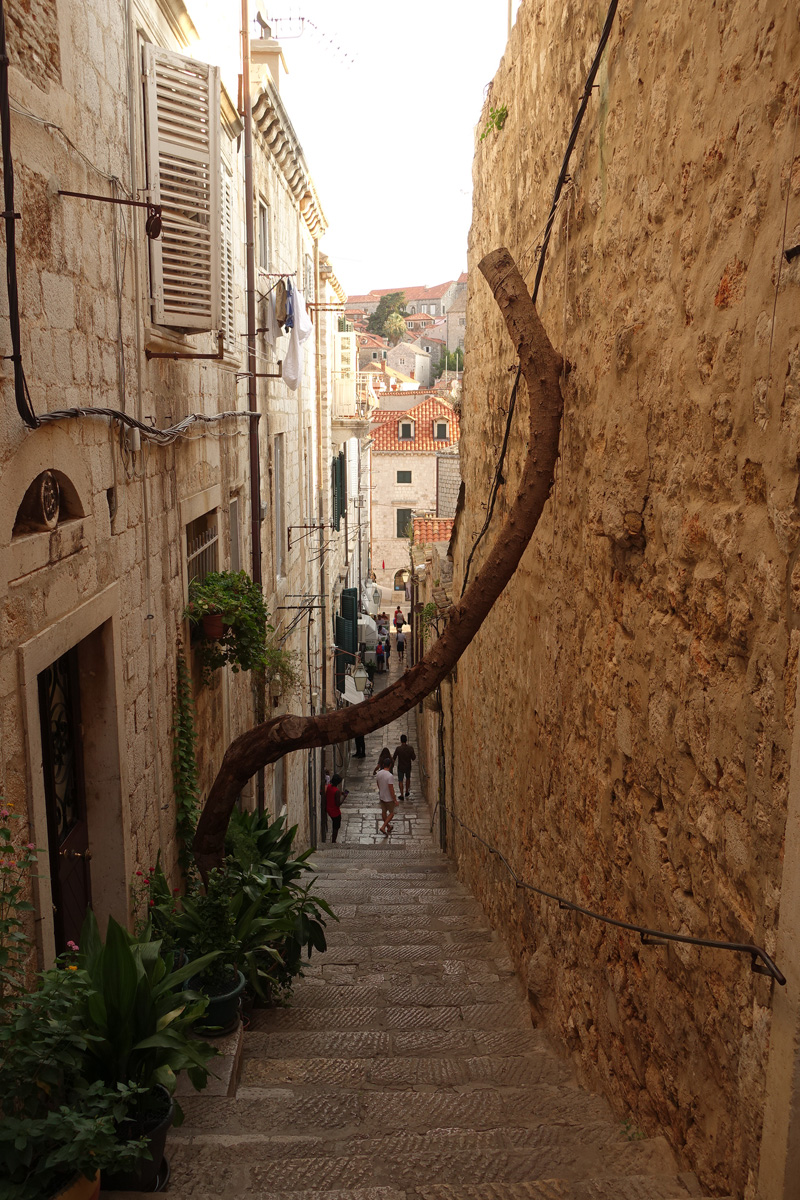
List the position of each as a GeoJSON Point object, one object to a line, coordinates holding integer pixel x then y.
{"type": "Point", "coordinates": [160, 437]}
{"type": "Point", "coordinates": [561, 181]}
{"type": "Point", "coordinates": [21, 393]}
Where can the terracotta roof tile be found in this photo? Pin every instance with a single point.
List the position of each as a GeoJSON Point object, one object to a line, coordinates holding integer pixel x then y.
{"type": "Point", "coordinates": [423, 414]}
{"type": "Point", "coordinates": [432, 529]}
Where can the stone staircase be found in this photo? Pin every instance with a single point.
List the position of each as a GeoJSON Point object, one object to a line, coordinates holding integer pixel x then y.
{"type": "Point", "coordinates": [407, 1066]}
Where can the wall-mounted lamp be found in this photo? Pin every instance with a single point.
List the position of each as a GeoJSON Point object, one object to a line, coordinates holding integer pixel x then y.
{"type": "Point", "coordinates": [152, 226]}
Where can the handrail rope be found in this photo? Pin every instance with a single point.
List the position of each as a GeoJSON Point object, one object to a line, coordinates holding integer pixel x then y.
{"type": "Point", "coordinates": [761, 962]}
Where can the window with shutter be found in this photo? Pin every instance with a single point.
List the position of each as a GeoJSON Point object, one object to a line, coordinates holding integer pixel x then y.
{"type": "Point", "coordinates": [182, 106]}
{"type": "Point", "coordinates": [228, 270]}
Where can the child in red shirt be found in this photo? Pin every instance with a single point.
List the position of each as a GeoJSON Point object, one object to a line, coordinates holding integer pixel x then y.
{"type": "Point", "coordinates": [333, 799]}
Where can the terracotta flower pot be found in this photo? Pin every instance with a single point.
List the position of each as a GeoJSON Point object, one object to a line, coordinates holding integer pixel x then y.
{"type": "Point", "coordinates": [80, 1188]}
{"type": "Point", "coordinates": [213, 627]}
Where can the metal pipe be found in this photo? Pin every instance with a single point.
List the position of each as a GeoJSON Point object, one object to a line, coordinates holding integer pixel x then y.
{"type": "Point", "coordinates": [320, 492]}
{"type": "Point", "coordinates": [252, 397]}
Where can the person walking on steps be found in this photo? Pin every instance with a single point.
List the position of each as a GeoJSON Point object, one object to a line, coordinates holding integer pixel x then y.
{"type": "Point", "coordinates": [379, 657]}
{"type": "Point", "coordinates": [384, 760]}
{"type": "Point", "coordinates": [399, 619]}
{"type": "Point", "coordinates": [361, 749]}
{"type": "Point", "coordinates": [404, 756]}
{"type": "Point", "coordinates": [387, 649]}
{"type": "Point", "coordinates": [401, 645]}
{"type": "Point", "coordinates": [387, 798]}
{"type": "Point", "coordinates": [333, 800]}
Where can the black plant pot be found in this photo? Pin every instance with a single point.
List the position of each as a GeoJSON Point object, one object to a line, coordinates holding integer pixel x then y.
{"type": "Point", "coordinates": [223, 1011]}
{"type": "Point", "coordinates": [154, 1126]}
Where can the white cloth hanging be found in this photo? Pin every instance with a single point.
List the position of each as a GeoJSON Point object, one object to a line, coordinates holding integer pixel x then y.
{"type": "Point", "coordinates": [300, 332]}
{"type": "Point", "coordinates": [271, 327]}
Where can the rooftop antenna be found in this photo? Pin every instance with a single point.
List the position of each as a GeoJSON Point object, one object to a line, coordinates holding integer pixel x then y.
{"type": "Point", "coordinates": [286, 28]}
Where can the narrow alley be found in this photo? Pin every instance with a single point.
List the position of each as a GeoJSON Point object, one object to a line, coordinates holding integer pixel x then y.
{"type": "Point", "coordinates": [407, 1064]}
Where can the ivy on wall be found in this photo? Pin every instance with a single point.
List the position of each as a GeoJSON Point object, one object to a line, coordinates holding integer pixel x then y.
{"type": "Point", "coordinates": [184, 765]}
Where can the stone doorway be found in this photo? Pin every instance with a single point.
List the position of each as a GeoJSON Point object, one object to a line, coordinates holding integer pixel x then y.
{"type": "Point", "coordinates": [77, 757]}
{"type": "Point", "coordinates": [65, 797]}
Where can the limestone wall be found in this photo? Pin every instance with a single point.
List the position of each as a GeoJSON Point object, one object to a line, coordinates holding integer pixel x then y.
{"type": "Point", "coordinates": [623, 721]}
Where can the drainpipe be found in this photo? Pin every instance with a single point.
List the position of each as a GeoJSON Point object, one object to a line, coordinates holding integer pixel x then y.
{"type": "Point", "coordinates": [320, 486]}
{"type": "Point", "coordinates": [252, 398]}
{"type": "Point", "coordinates": [150, 617]}
{"type": "Point", "coordinates": [252, 394]}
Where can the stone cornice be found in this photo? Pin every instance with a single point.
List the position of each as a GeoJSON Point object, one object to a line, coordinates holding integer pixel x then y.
{"type": "Point", "coordinates": [277, 134]}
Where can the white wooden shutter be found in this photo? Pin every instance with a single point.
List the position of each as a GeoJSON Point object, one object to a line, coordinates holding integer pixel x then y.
{"type": "Point", "coordinates": [228, 267]}
{"type": "Point", "coordinates": [182, 104]}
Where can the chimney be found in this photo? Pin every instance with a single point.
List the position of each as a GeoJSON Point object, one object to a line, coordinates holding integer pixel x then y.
{"type": "Point", "coordinates": [266, 53]}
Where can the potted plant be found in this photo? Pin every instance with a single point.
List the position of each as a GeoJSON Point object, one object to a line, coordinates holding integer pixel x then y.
{"type": "Point", "coordinates": [58, 1129]}
{"type": "Point", "coordinates": [240, 625]}
{"type": "Point", "coordinates": [207, 927]}
{"type": "Point", "coordinates": [139, 1026]}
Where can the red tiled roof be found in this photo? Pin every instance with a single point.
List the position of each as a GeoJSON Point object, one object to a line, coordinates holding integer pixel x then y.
{"type": "Point", "coordinates": [372, 339]}
{"type": "Point", "coordinates": [463, 277]}
{"type": "Point", "coordinates": [411, 293]}
{"type": "Point", "coordinates": [423, 414]}
{"type": "Point", "coordinates": [432, 529]}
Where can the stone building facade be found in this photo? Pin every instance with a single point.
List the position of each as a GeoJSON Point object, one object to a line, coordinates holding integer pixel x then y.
{"type": "Point", "coordinates": [638, 750]}
{"type": "Point", "coordinates": [412, 361]}
{"type": "Point", "coordinates": [104, 520]}
{"type": "Point", "coordinates": [405, 442]}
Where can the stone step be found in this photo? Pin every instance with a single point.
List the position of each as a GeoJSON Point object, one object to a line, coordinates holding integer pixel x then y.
{"type": "Point", "coordinates": [435, 932]}
{"type": "Point", "coordinates": [504, 1014]}
{"type": "Point", "coordinates": [241, 1165]}
{"type": "Point", "coordinates": [666, 1187]}
{"type": "Point", "coordinates": [407, 1072]}
{"type": "Point", "coordinates": [315, 992]}
{"type": "Point", "coordinates": [318, 1109]}
{"type": "Point", "coordinates": [477, 1043]}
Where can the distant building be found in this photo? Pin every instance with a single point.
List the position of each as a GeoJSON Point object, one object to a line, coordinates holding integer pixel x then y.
{"type": "Point", "coordinates": [412, 360]}
{"type": "Point", "coordinates": [405, 449]}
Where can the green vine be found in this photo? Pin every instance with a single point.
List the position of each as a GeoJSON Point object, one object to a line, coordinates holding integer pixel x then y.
{"type": "Point", "coordinates": [186, 788]}
{"type": "Point", "coordinates": [497, 119]}
{"type": "Point", "coordinates": [428, 620]}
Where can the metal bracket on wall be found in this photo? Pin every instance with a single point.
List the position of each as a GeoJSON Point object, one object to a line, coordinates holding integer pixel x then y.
{"type": "Point", "coordinates": [218, 357]}
{"type": "Point", "coordinates": [289, 529]}
{"type": "Point", "coordinates": [263, 374]}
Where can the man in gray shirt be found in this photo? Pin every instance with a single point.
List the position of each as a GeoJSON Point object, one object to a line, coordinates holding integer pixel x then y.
{"type": "Point", "coordinates": [404, 756]}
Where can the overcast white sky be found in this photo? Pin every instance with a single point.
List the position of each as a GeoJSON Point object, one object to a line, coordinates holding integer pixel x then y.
{"type": "Point", "coordinates": [384, 98]}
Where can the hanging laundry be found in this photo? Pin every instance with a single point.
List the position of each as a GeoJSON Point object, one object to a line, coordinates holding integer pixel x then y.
{"type": "Point", "coordinates": [280, 302]}
{"type": "Point", "coordinates": [290, 297]}
{"type": "Point", "coordinates": [301, 331]}
{"type": "Point", "coordinates": [272, 327]}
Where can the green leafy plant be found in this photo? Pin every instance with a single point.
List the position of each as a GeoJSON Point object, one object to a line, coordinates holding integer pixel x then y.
{"type": "Point", "coordinates": [206, 925]}
{"type": "Point", "coordinates": [497, 119]}
{"type": "Point", "coordinates": [428, 618]}
{"type": "Point", "coordinates": [234, 596]}
{"type": "Point", "coordinates": [185, 784]}
{"type": "Point", "coordinates": [16, 867]}
{"type": "Point", "coordinates": [155, 906]}
{"type": "Point", "coordinates": [54, 1121]}
{"type": "Point", "coordinates": [262, 864]}
{"type": "Point", "coordinates": [138, 1018]}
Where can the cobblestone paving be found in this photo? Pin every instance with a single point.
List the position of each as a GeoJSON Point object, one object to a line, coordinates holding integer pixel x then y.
{"type": "Point", "coordinates": [407, 1067]}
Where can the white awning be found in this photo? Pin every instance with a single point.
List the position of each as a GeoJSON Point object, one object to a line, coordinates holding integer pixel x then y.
{"type": "Point", "coordinates": [367, 631]}
{"type": "Point", "coordinates": [351, 693]}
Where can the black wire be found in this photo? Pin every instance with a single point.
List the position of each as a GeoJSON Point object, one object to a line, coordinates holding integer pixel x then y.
{"type": "Point", "coordinates": [562, 177]}
{"type": "Point", "coordinates": [21, 394]}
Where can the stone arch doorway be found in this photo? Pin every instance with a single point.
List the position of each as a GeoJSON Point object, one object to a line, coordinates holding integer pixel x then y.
{"type": "Point", "coordinates": [400, 580]}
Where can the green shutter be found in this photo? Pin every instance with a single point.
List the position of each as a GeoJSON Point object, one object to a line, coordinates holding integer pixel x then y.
{"type": "Point", "coordinates": [350, 616]}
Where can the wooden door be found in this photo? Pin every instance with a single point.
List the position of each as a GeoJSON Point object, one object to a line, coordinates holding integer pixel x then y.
{"type": "Point", "coordinates": [67, 827]}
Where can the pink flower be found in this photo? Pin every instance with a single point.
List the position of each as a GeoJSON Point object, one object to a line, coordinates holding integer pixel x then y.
{"type": "Point", "coordinates": [147, 881]}
{"type": "Point", "coordinates": [152, 903]}
{"type": "Point", "coordinates": [138, 872]}
{"type": "Point", "coordinates": [31, 845]}
{"type": "Point", "coordinates": [176, 891]}
{"type": "Point", "coordinates": [73, 945]}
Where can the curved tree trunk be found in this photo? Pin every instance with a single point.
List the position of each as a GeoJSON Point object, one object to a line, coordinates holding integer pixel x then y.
{"type": "Point", "coordinates": [541, 367]}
